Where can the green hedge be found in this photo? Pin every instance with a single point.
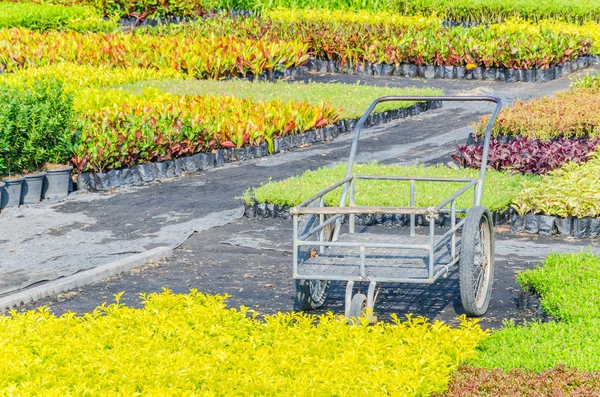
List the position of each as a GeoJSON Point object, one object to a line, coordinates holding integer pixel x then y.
{"type": "Point", "coordinates": [35, 125]}
{"type": "Point", "coordinates": [568, 289]}
{"type": "Point", "coordinates": [48, 17]}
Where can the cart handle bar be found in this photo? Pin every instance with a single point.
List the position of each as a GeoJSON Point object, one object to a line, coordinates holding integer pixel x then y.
{"type": "Point", "coordinates": [486, 142]}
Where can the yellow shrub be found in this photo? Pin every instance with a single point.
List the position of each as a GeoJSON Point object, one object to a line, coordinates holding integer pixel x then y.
{"type": "Point", "coordinates": [191, 345]}
{"type": "Point", "coordinates": [76, 76]}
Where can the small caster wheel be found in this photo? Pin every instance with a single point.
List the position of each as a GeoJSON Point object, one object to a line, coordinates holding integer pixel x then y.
{"type": "Point", "coordinates": [358, 307]}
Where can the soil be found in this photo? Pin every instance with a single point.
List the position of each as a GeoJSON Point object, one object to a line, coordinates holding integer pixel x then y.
{"type": "Point", "coordinates": [55, 167]}
{"type": "Point", "coordinates": [12, 177]}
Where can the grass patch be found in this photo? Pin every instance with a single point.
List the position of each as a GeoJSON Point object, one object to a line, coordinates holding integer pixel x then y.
{"type": "Point", "coordinates": [568, 286]}
{"type": "Point", "coordinates": [354, 99]}
{"type": "Point", "coordinates": [539, 346]}
{"type": "Point", "coordinates": [184, 345]}
{"type": "Point", "coordinates": [500, 188]}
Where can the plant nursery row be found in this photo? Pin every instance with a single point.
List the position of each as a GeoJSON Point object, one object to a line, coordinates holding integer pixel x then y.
{"type": "Point", "coordinates": [239, 47]}
{"type": "Point", "coordinates": [570, 114]}
{"type": "Point", "coordinates": [491, 11]}
{"type": "Point", "coordinates": [213, 56]}
{"type": "Point", "coordinates": [403, 40]}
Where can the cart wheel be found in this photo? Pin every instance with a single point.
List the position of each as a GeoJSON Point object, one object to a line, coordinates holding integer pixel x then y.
{"type": "Point", "coordinates": [311, 294]}
{"type": "Point", "coordinates": [358, 307]}
{"type": "Point", "coordinates": [476, 270]}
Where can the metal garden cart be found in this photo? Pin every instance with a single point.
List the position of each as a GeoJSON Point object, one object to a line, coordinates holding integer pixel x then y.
{"type": "Point", "coordinates": [322, 253]}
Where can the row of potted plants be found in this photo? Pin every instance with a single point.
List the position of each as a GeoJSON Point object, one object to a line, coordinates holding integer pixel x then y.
{"type": "Point", "coordinates": [35, 131]}
{"type": "Point", "coordinates": [212, 56]}
{"type": "Point", "coordinates": [525, 155]}
{"type": "Point", "coordinates": [157, 126]}
{"type": "Point", "coordinates": [566, 201]}
{"type": "Point", "coordinates": [490, 11]}
{"type": "Point", "coordinates": [497, 11]}
{"type": "Point", "coordinates": [571, 114]}
{"type": "Point", "coordinates": [425, 41]}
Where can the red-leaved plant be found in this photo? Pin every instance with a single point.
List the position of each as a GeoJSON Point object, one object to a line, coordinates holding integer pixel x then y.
{"type": "Point", "coordinates": [527, 156]}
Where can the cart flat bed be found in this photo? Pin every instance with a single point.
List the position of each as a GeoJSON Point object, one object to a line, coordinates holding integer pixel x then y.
{"type": "Point", "coordinates": [343, 263]}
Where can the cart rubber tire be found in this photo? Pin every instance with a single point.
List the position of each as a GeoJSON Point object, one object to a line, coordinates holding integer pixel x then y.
{"type": "Point", "coordinates": [476, 268]}
{"type": "Point", "coordinates": [311, 294]}
{"type": "Point", "coordinates": [358, 306]}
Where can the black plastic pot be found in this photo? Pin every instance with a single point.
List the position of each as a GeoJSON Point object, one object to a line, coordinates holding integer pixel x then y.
{"type": "Point", "coordinates": [83, 181]}
{"type": "Point", "coordinates": [557, 71]}
{"type": "Point", "coordinates": [582, 227]}
{"type": "Point", "coordinates": [412, 71]}
{"type": "Point", "coordinates": [130, 176]}
{"type": "Point", "coordinates": [219, 161]}
{"type": "Point", "coordinates": [239, 154]}
{"type": "Point", "coordinates": [388, 69]}
{"type": "Point", "coordinates": [547, 225]}
{"type": "Point", "coordinates": [489, 73]}
{"type": "Point", "coordinates": [564, 226]}
{"type": "Point", "coordinates": [99, 181]}
{"type": "Point", "coordinates": [529, 75]}
{"type": "Point", "coordinates": [461, 72]}
{"type": "Point", "coordinates": [532, 224]}
{"type": "Point", "coordinates": [477, 73]}
{"type": "Point", "coordinates": [544, 75]}
{"type": "Point", "coordinates": [449, 72]}
{"type": "Point", "coordinates": [520, 75]}
{"type": "Point", "coordinates": [261, 210]}
{"type": "Point", "coordinates": [350, 124]}
{"type": "Point", "coordinates": [510, 75]}
{"type": "Point", "coordinates": [595, 227]}
{"type": "Point", "coordinates": [439, 72]}
{"type": "Point", "coordinates": [367, 70]}
{"type": "Point", "coordinates": [428, 72]}
{"type": "Point", "coordinates": [56, 183]}
{"type": "Point", "coordinates": [11, 195]}
{"type": "Point", "coordinates": [321, 66]}
{"type": "Point", "coordinates": [331, 67]}
{"type": "Point", "coordinates": [399, 71]}
{"type": "Point", "coordinates": [517, 223]}
{"type": "Point", "coordinates": [500, 74]}
{"type": "Point", "coordinates": [377, 69]}
{"type": "Point", "coordinates": [31, 191]}
{"type": "Point", "coordinates": [161, 169]}
{"type": "Point", "coordinates": [114, 178]}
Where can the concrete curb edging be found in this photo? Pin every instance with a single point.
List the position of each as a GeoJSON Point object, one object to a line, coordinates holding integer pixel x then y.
{"type": "Point", "coordinates": [84, 277]}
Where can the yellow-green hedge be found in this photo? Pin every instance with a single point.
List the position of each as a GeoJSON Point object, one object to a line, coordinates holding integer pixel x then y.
{"type": "Point", "coordinates": [192, 345]}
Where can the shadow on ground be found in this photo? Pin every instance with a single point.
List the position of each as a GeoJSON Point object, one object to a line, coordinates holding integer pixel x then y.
{"type": "Point", "coordinates": [251, 261]}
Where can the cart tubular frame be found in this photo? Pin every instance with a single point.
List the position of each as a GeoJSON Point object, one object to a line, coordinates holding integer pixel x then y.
{"type": "Point", "coordinates": [347, 184]}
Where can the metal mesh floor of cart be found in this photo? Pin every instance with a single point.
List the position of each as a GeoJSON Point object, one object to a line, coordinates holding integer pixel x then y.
{"type": "Point", "coordinates": [344, 262]}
